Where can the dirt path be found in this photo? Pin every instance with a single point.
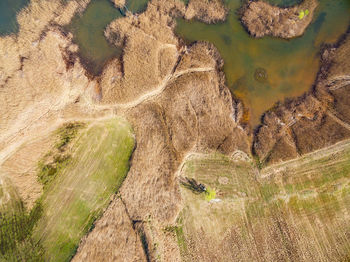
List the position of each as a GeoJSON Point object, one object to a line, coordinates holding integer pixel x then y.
{"type": "Point", "coordinates": [318, 154]}
{"type": "Point", "coordinates": [158, 90]}
{"type": "Point", "coordinates": [21, 135]}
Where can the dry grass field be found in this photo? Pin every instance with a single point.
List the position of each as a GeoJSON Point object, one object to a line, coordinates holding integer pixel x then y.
{"type": "Point", "coordinates": [294, 211]}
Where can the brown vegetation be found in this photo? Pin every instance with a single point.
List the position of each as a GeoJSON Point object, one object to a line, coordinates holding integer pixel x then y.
{"type": "Point", "coordinates": [35, 86]}
{"type": "Point", "coordinates": [118, 3]}
{"type": "Point", "coordinates": [209, 11]}
{"type": "Point", "coordinates": [261, 18]}
{"type": "Point", "coordinates": [115, 222]}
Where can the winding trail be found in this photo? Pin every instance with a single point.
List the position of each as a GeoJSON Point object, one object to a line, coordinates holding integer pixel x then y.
{"type": "Point", "coordinates": [293, 163]}
{"type": "Point", "coordinates": [338, 82]}
{"type": "Point", "coordinates": [112, 111]}
{"type": "Point", "coordinates": [158, 90]}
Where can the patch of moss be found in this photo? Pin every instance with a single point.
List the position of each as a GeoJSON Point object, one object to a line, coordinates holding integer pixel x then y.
{"type": "Point", "coordinates": [51, 165]}
{"type": "Point", "coordinates": [67, 133]}
{"type": "Point", "coordinates": [48, 171]}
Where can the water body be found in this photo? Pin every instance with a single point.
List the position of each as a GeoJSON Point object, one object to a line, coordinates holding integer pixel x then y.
{"type": "Point", "coordinates": [284, 3]}
{"type": "Point", "coordinates": [88, 31]}
{"type": "Point", "coordinates": [8, 12]}
{"type": "Point", "coordinates": [264, 71]}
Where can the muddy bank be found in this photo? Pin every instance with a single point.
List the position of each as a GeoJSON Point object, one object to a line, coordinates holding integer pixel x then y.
{"type": "Point", "coordinates": [262, 19]}
{"type": "Point", "coordinates": [315, 120]}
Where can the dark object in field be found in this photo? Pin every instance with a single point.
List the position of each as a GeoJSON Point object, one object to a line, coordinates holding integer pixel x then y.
{"type": "Point", "coordinates": [193, 185]}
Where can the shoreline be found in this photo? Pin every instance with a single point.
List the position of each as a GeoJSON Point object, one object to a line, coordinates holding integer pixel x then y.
{"type": "Point", "coordinates": [297, 108]}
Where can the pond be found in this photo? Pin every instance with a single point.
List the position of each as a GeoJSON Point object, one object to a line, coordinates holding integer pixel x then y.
{"type": "Point", "coordinates": [264, 71]}
{"type": "Point", "coordinates": [8, 12]}
{"type": "Point", "coordinates": [88, 31]}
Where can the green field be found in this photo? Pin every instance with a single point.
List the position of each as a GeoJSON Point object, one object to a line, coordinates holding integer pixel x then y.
{"type": "Point", "coordinates": [80, 175]}
{"type": "Point", "coordinates": [294, 211]}
{"type": "Point", "coordinates": [78, 195]}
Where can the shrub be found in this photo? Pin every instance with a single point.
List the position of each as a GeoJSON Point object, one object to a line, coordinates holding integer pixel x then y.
{"type": "Point", "coordinates": [210, 194]}
{"type": "Point", "coordinates": [303, 13]}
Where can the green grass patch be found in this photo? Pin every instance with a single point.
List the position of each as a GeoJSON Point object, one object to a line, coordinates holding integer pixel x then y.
{"type": "Point", "coordinates": [74, 199]}
{"type": "Point", "coordinates": [16, 242]}
{"type": "Point", "coordinates": [49, 171]}
{"type": "Point", "coordinates": [268, 191]}
{"type": "Point", "coordinates": [178, 231]}
{"type": "Point", "coordinates": [181, 240]}
{"type": "Point", "coordinates": [67, 133]}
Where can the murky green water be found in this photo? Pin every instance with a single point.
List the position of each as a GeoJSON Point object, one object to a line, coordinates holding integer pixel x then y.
{"type": "Point", "coordinates": [136, 6]}
{"type": "Point", "coordinates": [264, 71]}
{"type": "Point", "coordinates": [88, 31]}
{"type": "Point", "coordinates": [284, 3]}
{"type": "Point", "coordinates": [8, 11]}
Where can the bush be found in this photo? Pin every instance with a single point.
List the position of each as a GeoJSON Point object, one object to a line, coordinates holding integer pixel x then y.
{"type": "Point", "coordinates": [210, 194]}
